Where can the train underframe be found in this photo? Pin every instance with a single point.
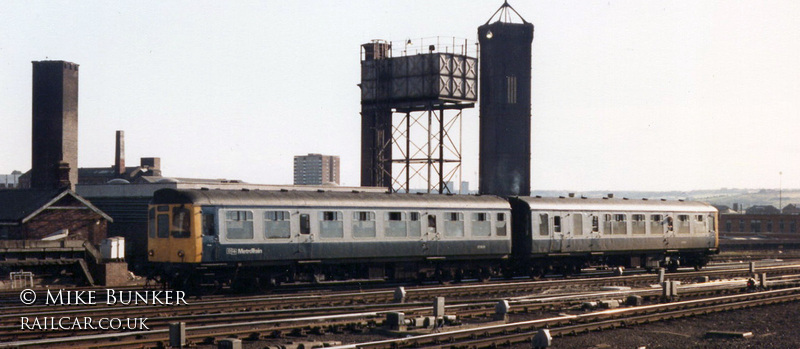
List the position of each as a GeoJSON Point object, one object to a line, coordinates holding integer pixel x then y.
{"type": "Point", "coordinates": [539, 265]}
{"type": "Point", "coordinates": [250, 276]}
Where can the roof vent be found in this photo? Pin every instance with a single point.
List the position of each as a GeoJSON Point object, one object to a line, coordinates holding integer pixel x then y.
{"type": "Point", "coordinates": [572, 195]}
{"type": "Point", "coordinates": [583, 197]}
{"type": "Point", "coordinates": [355, 191]}
{"type": "Point", "coordinates": [284, 190]}
{"type": "Point", "coordinates": [561, 197]}
{"type": "Point", "coordinates": [610, 195]}
{"type": "Point", "coordinates": [624, 198]}
{"type": "Point", "coordinates": [320, 191]}
{"type": "Point", "coordinates": [681, 200]}
{"type": "Point", "coordinates": [538, 196]}
{"type": "Point", "coordinates": [204, 189]}
{"type": "Point", "coordinates": [645, 199]}
{"type": "Point", "coordinates": [663, 199]}
{"type": "Point", "coordinates": [605, 198]}
{"type": "Point", "coordinates": [245, 189]}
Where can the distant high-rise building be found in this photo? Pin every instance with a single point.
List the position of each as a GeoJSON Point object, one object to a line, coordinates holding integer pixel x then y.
{"type": "Point", "coordinates": [316, 169]}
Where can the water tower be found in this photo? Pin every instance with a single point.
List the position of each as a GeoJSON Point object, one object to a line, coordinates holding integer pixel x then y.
{"type": "Point", "coordinates": [505, 106]}
{"type": "Point", "coordinates": [412, 98]}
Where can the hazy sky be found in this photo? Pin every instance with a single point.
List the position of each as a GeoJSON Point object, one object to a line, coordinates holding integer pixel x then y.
{"type": "Point", "coordinates": [627, 95]}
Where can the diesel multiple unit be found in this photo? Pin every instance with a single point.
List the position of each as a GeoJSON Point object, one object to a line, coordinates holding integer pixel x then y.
{"type": "Point", "coordinates": [261, 238]}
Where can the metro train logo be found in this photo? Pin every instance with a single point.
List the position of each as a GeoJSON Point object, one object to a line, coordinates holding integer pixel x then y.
{"type": "Point", "coordinates": [240, 251]}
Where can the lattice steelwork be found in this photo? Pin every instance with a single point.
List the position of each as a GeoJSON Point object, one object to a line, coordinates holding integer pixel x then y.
{"type": "Point", "coordinates": [427, 143]}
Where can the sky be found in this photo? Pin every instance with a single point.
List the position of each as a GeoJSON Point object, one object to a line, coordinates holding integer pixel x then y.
{"type": "Point", "coordinates": [627, 95]}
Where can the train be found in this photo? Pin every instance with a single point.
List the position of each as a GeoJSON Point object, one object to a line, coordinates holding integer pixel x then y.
{"type": "Point", "coordinates": [255, 239]}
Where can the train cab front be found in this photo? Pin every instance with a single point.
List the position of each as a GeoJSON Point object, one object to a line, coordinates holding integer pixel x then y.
{"type": "Point", "coordinates": [173, 235]}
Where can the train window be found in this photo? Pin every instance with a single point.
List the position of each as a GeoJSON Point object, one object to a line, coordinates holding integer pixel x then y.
{"type": "Point", "coordinates": [577, 224]}
{"type": "Point", "coordinates": [432, 222]}
{"type": "Point", "coordinates": [619, 226]}
{"type": "Point", "coordinates": [481, 226]}
{"type": "Point", "coordinates": [500, 224]}
{"type": "Point", "coordinates": [683, 224]}
{"type": "Point", "coordinates": [163, 208]}
{"type": "Point", "coordinates": [656, 224]}
{"type": "Point", "coordinates": [414, 224]}
{"type": "Point", "coordinates": [277, 225]}
{"type": "Point", "coordinates": [453, 224]}
{"type": "Point", "coordinates": [305, 224]}
{"type": "Point", "coordinates": [151, 223]}
{"type": "Point", "coordinates": [638, 224]}
{"type": "Point", "coordinates": [239, 225]}
{"type": "Point", "coordinates": [208, 225]}
{"type": "Point", "coordinates": [163, 226]}
{"type": "Point", "coordinates": [395, 224]}
{"type": "Point", "coordinates": [607, 221]}
{"type": "Point", "coordinates": [544, 224]}
{"type": "Point", "coordinates": [670, 225]}
{"type": "Point", "coordinates": [364, 224]}
{"type": "Point", "coordinates": [180, 223]}
{"type": "Point", "coordinates": [331, 225]}
{"type": "Point", "coordinates": [595, 224]}
{"type": "Point", "coordinates": [557, 224]}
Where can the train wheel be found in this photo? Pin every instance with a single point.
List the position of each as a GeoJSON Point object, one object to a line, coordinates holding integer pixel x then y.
{"type": "Point", "coordinates": [485, 274]}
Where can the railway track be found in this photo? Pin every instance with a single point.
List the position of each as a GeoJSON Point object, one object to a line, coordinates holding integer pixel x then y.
{"type": "Point", "coordinates": [248, 323]}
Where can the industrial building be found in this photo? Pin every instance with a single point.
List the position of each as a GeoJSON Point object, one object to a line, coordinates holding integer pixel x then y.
{"type": "Point", "coordinates": [316, 169]}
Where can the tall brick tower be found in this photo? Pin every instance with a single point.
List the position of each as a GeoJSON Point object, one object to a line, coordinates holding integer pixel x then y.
{"type": "Point", "coordinates": [505, 104]}
{"type": "Point", "coordinates": [55, 125]}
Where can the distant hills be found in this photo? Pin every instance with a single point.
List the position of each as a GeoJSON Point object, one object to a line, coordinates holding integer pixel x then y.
{"type": "Point", "coordinates": [725, 196]}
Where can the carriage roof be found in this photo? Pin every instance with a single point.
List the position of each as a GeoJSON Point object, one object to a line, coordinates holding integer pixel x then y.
{"type": "Point", "coordinates": [290, 198]}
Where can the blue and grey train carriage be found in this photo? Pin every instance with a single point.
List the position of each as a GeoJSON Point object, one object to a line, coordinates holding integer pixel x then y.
{"type": "Point", "coordinates": [569, 233]}
{"type": "Point", "coordinates": [267, 237]}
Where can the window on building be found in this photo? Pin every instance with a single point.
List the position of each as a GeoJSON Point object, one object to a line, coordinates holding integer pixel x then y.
{"type": "Point", "coordinates": [239, 225]}
{"type": "Point", "coordinates": [511, 89]}
{"type": "Point", "coordinates": [277, 224]}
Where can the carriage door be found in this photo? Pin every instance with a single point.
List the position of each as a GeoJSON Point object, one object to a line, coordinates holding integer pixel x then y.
{"type": "Point", "coordinates": [557, 233]}
{"type": "Point", "coordinates": [432, 234]}
{"type": "Point", "coordinates": [210, 234]}
{"type": "Point", "coordinates": [304, 236]}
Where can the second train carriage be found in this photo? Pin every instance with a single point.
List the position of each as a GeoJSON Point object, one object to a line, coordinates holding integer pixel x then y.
{"type": "Point", "coordinates": [569, 233]}
{"type": "Point", "coordinates": [265, 237]}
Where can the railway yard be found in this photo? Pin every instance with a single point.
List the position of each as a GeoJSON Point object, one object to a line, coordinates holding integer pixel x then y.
{"type": "Point", "coordinates": [726, 304]}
